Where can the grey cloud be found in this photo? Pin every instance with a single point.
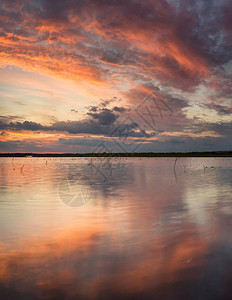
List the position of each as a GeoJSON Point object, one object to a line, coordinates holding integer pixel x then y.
{"type": "Point", "coordinates": [222, 128]}
{"type": "Point", "coordinates": [98, 120]}
{"type": "Point", "coordinates": [119, 109]}
{"type": "Point", "coordinates": [26, 125]}
{"type": "Point", "coordinates": [104, 117]}
{"type": "Point", "coordinates": [221, 109]}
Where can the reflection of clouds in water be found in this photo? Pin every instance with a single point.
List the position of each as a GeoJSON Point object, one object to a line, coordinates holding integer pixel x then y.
{"type": "Point", "coordinates": [91, 265]}
{"type": "Point", "coordinates": [106, 175]}
{"type": "Point", "coordinates": [198, 200]}
{"type": "Point", "coordinates": [207, 191]}
{"type": "Point", "coordinates": [143, 234]}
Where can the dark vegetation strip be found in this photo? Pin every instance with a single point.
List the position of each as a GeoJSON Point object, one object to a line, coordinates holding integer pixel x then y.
{"type": "Point", "coordinates": [144, 154]}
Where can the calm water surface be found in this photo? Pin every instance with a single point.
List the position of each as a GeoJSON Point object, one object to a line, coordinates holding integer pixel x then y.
{"type": "Point", "coordinates": [76, 228]}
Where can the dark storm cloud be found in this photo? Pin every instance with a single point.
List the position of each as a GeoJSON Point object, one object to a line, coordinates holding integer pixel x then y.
{"type": "Point", "coordinates": [220, 109]}
{"type": "Point", "coordinates": [104, 117]}
{"type": "Point", "coordinates": [26, 125]}
{"type": "Point", "coordinates": [75, 127]}
{"type": "Point", "coordinates": [99, 120]}
{"type": "Point", "coordinates": [85, 126]}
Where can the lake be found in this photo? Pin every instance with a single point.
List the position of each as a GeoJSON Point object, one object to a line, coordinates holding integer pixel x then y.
{"type": "Point", "coordinates": [116, 228]}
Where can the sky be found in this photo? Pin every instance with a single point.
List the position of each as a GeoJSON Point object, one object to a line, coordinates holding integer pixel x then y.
{"type": "Point", "coordinates": [115, 75]}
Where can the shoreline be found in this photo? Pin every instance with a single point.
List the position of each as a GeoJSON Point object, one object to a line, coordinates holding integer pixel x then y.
{"type": "Point", "coordinates": [144, 154]}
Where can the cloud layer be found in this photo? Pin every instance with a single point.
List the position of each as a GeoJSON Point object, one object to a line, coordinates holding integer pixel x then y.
{"type": "Point", "coordinates": [180, 51]}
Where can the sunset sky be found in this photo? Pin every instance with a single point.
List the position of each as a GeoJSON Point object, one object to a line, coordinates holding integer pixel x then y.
{"type": "Point", "coordinates": [131, 75]}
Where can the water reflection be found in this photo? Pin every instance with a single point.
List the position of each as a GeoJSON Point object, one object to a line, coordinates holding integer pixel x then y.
{"type": "Point", "coordinates": [142, 235]}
